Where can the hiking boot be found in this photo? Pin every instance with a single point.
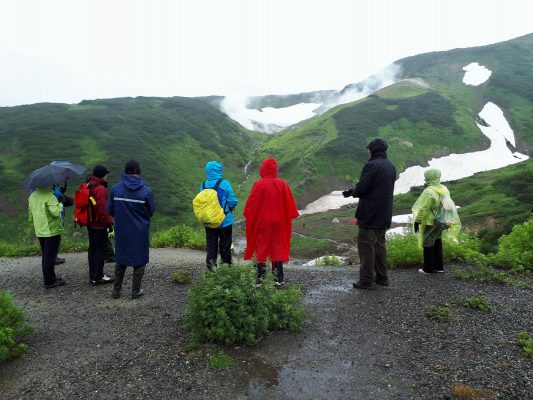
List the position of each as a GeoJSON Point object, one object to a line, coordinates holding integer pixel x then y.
{"type": "Point", "coordinates": [440, 271]}
{"type": "Point", "coordinates": [103, 280]}
{"type": "Point", "coordinates": [277, 270]}
{"type": "Point", "coordinates": [58, 261]}
{"type": "Point", "coordinates": [136, 290]}
{"type": "Point", "coordinates": [279, 284]}
{"type": "Point", "coordinates": [367, 286]}
{"type": "Point", "coordinates": [58, 282]}
{"type": "Point", "coordinates": [111, 259]}
{"type": "Point", "coordinates": [119, 277]}
{"type": "Point", "coordinates": [382, 282]}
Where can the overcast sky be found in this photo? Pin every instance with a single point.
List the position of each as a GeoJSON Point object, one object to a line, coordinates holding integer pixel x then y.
{"type": "Point", "coordinates": [70, 50]}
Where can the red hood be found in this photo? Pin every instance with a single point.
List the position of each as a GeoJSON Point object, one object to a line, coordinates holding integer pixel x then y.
{"type": "Point", "coordinates": [269, 168]}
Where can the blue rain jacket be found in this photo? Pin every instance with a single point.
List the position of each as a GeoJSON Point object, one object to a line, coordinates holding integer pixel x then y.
{"type": "Point", "coordinates": [131, 203]}
{"type": "Point", "coordinates": [226, 197]}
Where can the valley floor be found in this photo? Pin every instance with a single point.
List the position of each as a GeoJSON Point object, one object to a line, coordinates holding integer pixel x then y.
{"type": "Point", "coordinates": [359, 345]}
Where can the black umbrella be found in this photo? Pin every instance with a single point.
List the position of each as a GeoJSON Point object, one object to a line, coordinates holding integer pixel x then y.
{"type": "Point", "coordinates": [54, 173]}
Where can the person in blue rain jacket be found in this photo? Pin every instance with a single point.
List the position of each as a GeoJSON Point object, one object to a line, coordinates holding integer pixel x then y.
{"type": "Point", "coordinates": [221, 238]}
{"type": "Point", "coordinates": [131, 203]}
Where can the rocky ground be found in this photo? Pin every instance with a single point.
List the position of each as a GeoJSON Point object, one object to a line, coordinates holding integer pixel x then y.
{"type": "Point", "coordinates": [358, 345]}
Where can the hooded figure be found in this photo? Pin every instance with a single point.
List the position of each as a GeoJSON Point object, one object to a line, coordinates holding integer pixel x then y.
{"type": "Point", "coordinates": [221, 238]}
{"type": "Point", "coordinates": [269, 212]}
{"type": "Point", "coordinates": [375, 191]}
{"type": "Point", "coordinates": [131, 203]}
{"type": "Point", "coordinates": [434, 216]}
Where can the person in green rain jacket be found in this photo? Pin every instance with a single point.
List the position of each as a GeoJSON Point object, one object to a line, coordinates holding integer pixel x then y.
{"type": "Point", "coordinates": [45, 214]}
{"type": "Point", "coordinates": [434, 216]}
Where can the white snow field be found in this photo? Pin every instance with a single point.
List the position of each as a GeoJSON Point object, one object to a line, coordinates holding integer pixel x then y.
{"type": "Point", "coordinates": [475, 74]}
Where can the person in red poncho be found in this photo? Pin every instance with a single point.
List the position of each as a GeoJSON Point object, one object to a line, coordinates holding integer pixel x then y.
{"type": "Point", "coordinates": [269, 211]}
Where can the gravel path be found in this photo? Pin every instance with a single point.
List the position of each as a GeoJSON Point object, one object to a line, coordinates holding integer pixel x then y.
{"type": "Point", "coordinates": [359, 345]}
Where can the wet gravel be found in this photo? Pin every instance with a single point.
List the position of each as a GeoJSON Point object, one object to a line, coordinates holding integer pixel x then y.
{"type": "Point", "coordinates": [358, 345]}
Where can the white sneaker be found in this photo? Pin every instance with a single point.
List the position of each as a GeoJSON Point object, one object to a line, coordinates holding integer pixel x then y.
{"type": "Point", "coordinates": [423, 272]}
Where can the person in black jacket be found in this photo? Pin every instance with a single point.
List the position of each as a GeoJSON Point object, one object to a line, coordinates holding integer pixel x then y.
{"type": "Point", "coordinates": [375, 191]}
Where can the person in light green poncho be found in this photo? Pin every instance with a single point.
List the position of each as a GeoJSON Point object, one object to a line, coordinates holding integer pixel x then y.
{"type": "Point", "coordinates": [434, 216]}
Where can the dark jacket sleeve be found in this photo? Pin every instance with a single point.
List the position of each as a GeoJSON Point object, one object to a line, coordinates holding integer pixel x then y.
{"type": "Point", "coordinates": [365, 181]}
{"type": "Point", "coordinates": [150, 203]}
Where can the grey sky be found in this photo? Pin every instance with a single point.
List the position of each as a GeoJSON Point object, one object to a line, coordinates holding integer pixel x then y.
{"type": "Point", "coordinates": [70, 50]}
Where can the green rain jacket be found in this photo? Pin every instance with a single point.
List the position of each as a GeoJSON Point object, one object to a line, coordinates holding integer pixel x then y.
{"type": "Point", "coordinates": [45, 213]}
{"type": "Point", "coordinates": [435, 211]}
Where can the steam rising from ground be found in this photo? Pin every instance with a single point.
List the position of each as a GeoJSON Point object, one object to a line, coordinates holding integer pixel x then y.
{"type": "Point", "coordinates": [270, 119]}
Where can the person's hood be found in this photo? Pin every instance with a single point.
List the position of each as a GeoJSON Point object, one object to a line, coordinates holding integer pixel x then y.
{"type": "Point", "coordinates": [269, 168]}
{"type": "Point", "coordinates": [99, 181]}
{"type": "Point", "coordinates": [432, 177]}
{"type": "Point", "coordinates": [378, 147]}
{"type": "Point", "coordinates": [213, 170]}
{"type": "Point", "coordinates": [132, 182]}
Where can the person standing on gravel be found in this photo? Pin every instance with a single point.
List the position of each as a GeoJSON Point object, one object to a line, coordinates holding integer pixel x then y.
{"type": "Point", "coordinates": [375, 191]}
{"type": "Point", "coordinates": [45, 214]}
{"type": "Point", "coordinates": [100, 222]}
{"type": "Point", "coordinates": [132, 205]}
{"type": "Point", "coordinates": [219, 239]}
{"type": "Point", "coordinates": [269, 212]}
{"type": "Point", "coordinates": [434, 216]}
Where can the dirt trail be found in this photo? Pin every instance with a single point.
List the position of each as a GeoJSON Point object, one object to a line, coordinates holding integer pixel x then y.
{"type": "Point", "coordinates": [359, 345]}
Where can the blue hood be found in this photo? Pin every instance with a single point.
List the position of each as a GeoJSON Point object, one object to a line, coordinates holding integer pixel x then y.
{"type": "Point", "coordinates": [213, 170]}
{"type": "Point", "coordinates": [132, 182]}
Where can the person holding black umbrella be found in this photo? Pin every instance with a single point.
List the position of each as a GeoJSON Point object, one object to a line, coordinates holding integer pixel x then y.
{"type": "Point", "coordinates": [45, 214]}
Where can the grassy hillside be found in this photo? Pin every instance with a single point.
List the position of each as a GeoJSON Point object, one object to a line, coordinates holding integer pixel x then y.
{"type": "Point", "coordinates": [172, 138]}
{"type": "Point", "coordinates": [430, 113]}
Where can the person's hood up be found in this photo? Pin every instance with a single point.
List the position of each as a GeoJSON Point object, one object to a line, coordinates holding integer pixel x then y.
{"type": "Point", "coordinates": [213, 170]}
{"type": "Point", "coordinates": [132, 182]}
{"type": "Point", "coordinates": [269, 168]}
{"type": "Point", "coordinates": [432, 177]}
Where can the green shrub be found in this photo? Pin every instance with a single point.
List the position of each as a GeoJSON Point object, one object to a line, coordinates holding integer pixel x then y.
{"type": "Point", "coordinates": [192, 346]}
{"type": "Point", "coordinates": [179, 236]}
{"type": "Point", "coordinates": [226, 307]}
{"type": "Point", "coordinates": [403, 250]}
{"type": "Point", "coordinates": [466, 249]}
{"type": "Point", "coordinates": [439, 313]}
{"type": "Point", "coordinates": [220, 360]}
{"type": "Point", "coordinates": [329, 260]}
{"type": "Point", "coordinates": [516, 249]}
{"type": "Point", "coordinates": [479, 301]}
{"type": "Point", "coordinates": [485, 273]}
{"type": "Point", "coordinates": [181, 276]}
{"type": "Point", "coordinates": [12, 327]}
{"type": "Point", "coordinates": [524, 340]}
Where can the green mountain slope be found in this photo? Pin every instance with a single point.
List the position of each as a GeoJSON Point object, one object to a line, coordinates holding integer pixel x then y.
{"type": "Point", "coordinates": [430, 113]}
{"type": "Point", "coordinates": [172, 138]}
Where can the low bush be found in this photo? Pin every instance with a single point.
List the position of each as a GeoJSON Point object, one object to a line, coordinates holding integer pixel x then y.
{"type": "Point", "coordinates": [515, 250]}
{"type": "Point", "coordinates": [12, 327]}
{"type": "Point", "coordinates": [179, 236]}
{"type": "Point", "coordinates": [226, 307]}
{"type": "Point", "coordinates": [403, 251]}
{"type": "Point", "coordinates": [329, 260]}
{"type": "Point", "coordinates": [439, 313]}
{"type": "Point", "coordinates": [220, 360]}
{"type": "Point", "coordinates": [181, 277]}
{"type": "Point", "coordinates": [479, 301]}
{"type": "Point", "coordinates": [524, 340]}
{"type": "Point", "coordinates": [485, 273]}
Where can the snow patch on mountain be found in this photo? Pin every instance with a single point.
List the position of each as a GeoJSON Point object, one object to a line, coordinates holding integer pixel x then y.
{"type": "Point", "coordinates": [475, 74]}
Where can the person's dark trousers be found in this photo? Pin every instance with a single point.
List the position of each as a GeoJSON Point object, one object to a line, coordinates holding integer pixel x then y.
{"type": "Point", "coordinates": [49, 249]}
{"type": "Point", "coordinates": [433, 260]}
{"type": "Point", "coordinates": [109, 250]}
{"type": "Point", "coordinates": [96, 254]}
{"type": "Point", "coordinates": [372, 255]}
{"type": "Point", "coordinates": [218, 239]}
{"type": "Point", "coordinates": [277, 270]}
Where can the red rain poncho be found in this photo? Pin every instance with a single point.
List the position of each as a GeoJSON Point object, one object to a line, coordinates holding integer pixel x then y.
{"type": "Point", "coordinates": [269, 211]}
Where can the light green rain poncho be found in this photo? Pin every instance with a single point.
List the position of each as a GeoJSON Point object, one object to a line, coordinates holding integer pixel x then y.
{"type": "Point", "coordinates": [435, 211]}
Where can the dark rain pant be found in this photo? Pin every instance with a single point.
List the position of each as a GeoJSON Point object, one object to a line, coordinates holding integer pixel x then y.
{"type": "Point", "coordinates": [49, 249]}
{"type": "Point", "coordinates": [97, 251]}
{"type": "Point", "coordinates": [109, 250]}
{"type": "Point", "coordinates": [433, 260]}
{"type": "Point", "coordinates": [218, 239]}
{"type": "Point", "coordinates": [372, 255]}
{"type": "Point", "coordinates": [277, 271]}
